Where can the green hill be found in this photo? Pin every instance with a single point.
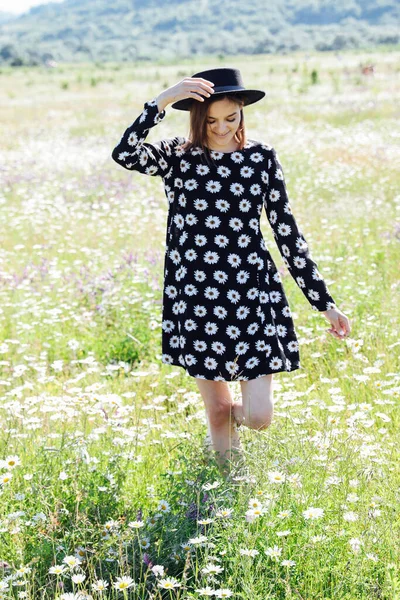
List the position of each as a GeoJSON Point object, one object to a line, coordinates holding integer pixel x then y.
{"type": "Point", "coordinates": [126, 30]}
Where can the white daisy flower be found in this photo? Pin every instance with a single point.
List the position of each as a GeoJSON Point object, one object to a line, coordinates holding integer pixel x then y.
{"type": "Point", "coordinates": [242, 312]}
{"type": "Point", "coordinates": [237, 157]}
{"type": "Point", "coordinates": [199, 276]}
{"type": "Point", "coordinates": [275, 363]}
{"type": "Point", "coordinates": [202, 169]}
{"type": "Point", "coordinates": [212, 222]}
{"type": "Point", "coordinates": [244, 205]}
{"type": "Point", "coordinates": [233, 332]}
{"type": "Point", "coordinates": [220, 276]}
{"type": "Point", "coordinates": [191, 219]}
{"type": "Point", "coordinates": [223, 171]}
{"type": "Point", "coordinates": [210, 257]}
{"type": "Point", "coordinates": [213, 186]}
{"type": "Point", "coordinates": [233, 296]}
{"type": "Point", "coordinates": [211, 293]}
{"type": "Point", "coordinates": [199, 345]}
{"type": "Point", "coordinates": [221, 240]}
{"type": "Point", "coordinates": [237, 189]}
{"type": "Point", "coordinates": [200, 311]}
{"type": "Point", "coordinates": [234, 260]}
{"type": "Point", "coordinates": [191, 184]}
{"type": "Point", "coordinates": [211, 328]}
{"type": "Point", "coordinates": [218, 347]}
{"type": "Point", "coordinates": [200, 240]}
{"type": "Point", "coordinates": [220, 312]}
{"type": "Point", "coordinates": [242, 276]}
{"type": "Point", "coordinates": [210, 363]}
{"type": "Point", "coordinates": [200, 204]}
{"type": "Point", "coordinates": [246, 172]}
{"type": "Point", "coordinates": [222, 205]}
{"type": "Point", "coordinates": [236, 224]}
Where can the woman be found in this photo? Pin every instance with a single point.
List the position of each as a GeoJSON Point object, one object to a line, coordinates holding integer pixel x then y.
{"type": "Point", "coordinates": [225, 313]}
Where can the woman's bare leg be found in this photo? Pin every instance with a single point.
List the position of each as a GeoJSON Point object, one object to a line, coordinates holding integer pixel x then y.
{"type": "Point", "coordinates": [225, 438]}
{"type": "Point", "coordinates": [256, 408]}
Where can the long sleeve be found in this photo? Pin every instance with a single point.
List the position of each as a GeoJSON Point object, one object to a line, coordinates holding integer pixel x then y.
{"type": "Point", "coordinates": [290, 239]}
{"type": "Point", "coordinates": [134, 154]}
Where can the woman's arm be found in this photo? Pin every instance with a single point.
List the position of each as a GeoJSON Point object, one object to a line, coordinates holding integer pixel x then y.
{"type": "Point", "coordinates": [134, 154]}
{"type": "Point", "coordinates": [290, 239]}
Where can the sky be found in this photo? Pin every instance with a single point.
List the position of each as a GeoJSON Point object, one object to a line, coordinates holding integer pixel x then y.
{"type": "Point", "coordinates": [20, 6]}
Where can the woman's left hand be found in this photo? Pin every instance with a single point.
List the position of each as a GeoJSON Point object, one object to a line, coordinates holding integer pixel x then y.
{"type": "Point", "coordinates": [340, 323]}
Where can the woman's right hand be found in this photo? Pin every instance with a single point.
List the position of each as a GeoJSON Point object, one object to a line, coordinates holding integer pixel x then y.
{"type": "Point", "coordinates": [189, 87]}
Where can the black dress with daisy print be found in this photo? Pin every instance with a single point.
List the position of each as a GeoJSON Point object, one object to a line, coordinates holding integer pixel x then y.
{"type": "Point", "coordinates": [225, 314]}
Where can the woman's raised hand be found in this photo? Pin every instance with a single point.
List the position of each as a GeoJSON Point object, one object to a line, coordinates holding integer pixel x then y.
{"type": "Point", "coordinates": [189, 87]}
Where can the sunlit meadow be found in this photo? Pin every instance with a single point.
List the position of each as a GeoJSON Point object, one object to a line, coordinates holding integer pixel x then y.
{"type": "Point", "coordinates": [105, 488]}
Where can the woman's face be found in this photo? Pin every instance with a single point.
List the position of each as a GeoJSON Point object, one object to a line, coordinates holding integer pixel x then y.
{"type": "Point", "coordinates": [223, 120]}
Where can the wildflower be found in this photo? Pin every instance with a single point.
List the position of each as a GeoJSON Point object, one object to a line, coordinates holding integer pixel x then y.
{"type": "Point", "coordinates": [284, 514]}
{"type": "Point", "coordinates": [283, 533]}
{"type": "Point", "coordinates": [198, 540]}
{"type": "Point", "coordinates": [6, 478]}
{"type": "Point", "coordinates": [164, 506]}
{"type": "Point", "coordinates": [168, 583]}
{"type": "Point", "coordinates": [100, 585]}
{"type": "Point", "coordinates": [288, 563]}
{"type": "Point", "coordinates": [144, 543]}
{"type": "Point", "coordinates": [254, 503]}
{"type": "Point", "coordinates": [211, 486]}
{"type": "Point", "coordinates": [356, 544]}
{"type": "Point", "coordinates": [158, 570]}
{"type": "Point", "coordinates": [123, 583]}
{"type": "Point", "coordinates": [313, 513]}
{"type": "Point", "coordinates": [10, 462]}
{"type": "Point", "coordinates": [207, 591]}
{"type": "Point", "coordinates": [211, 569]}
{"type": "Point", "coordinates": [350, 516]}
{"type": "Point", "coordinates": [23, 570]}
{"type": "Point", "coordinates": [223, 593]}
{"type": "Point", "coordinates": [274, 552]}
{"type": "Point", "coordinates": [276, 477]}
{"type": "Point", "coordinates": [372, 557]}
{"type": "Point", "coordinates": [136, 524]}
{"type": "Point", "coordinates": [3, 585]}
{"type": "Point", "coordinates": [318, 538]}
{"type": "Point", "coordinates": [57, 570]}
{"type": "Point", "coordinates": [205, 521]}
{"type": "Point", "coordinates": [78, 578]}
{"type": "Point", "coordinates": [71, 561]}
{"type": "Point", "coordinates": [253, 514]}
{"type": "Point", "coordinates": [63, 476]}
{"type": "Point", "coordinates": [224, 512]}
{"type": "Point", "coordinates": [246, 552]}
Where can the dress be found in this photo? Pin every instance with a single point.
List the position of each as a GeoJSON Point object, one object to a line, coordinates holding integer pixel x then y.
{"type": "Point", "coordinates": [225, 315]}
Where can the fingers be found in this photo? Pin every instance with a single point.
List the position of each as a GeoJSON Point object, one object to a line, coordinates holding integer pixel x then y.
{"type": "Point", "coordinates": [199, 85]}
{"type": "Point", "coordinates": [340, 329]}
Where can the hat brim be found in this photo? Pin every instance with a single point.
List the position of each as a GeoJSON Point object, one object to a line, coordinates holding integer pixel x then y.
{"type": "Point", "coordinates": [249, 96]}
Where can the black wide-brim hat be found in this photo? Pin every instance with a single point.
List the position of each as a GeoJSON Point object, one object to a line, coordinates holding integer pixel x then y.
{"type": "Point", "coordinates": [226, 81]}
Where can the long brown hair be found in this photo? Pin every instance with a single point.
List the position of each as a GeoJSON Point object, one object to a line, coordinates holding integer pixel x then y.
{"type": "Point", "coordinates": [198, 123]}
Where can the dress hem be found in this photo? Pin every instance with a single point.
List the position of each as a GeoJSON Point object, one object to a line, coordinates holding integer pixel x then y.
{"type": "Point", "coordinates": [295, 367]}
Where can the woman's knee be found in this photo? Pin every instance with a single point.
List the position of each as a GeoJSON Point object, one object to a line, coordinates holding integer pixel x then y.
{"type": "Point", "coordinates": [258, 404]}
{"type": "Point", "coordinates": [217, 400]}
{"type": "Point", "coordinates": [260, 419]}
{"type": "Point", "coordinates": [219, 412]}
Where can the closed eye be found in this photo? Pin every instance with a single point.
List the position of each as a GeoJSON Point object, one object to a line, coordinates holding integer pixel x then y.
{"type": "Point", "coordinates": [229, 121]}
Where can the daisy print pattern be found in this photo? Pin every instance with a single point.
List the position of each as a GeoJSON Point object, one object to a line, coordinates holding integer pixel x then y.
{"type": "Point", "coordinates": [225, 315]}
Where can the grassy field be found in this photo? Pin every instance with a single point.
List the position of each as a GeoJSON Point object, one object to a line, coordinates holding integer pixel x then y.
{"type": "Point", "coordinates": [105, 491]}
